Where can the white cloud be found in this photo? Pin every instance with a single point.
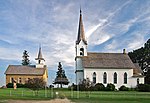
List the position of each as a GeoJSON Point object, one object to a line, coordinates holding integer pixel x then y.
{"type": "Point", "coordinates": [137, 42]}
{"type": "Point", "coordinates": [104, 23]}
{"type": "Point", "coordinates": [10, 54]}
{"type": "Point", "coordinates": [94, 28]}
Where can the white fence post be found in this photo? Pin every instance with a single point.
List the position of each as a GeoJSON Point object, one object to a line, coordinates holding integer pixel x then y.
{"type": "Point", "coordinates": [10, 93]}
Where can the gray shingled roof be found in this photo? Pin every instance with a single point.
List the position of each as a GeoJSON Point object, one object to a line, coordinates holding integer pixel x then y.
{"type": "Point", "coordinates": [137, 70]}
{"type": "Point", "coordinates": [107, 60]}
{"type": "Point", "coordinates": [19, 69]}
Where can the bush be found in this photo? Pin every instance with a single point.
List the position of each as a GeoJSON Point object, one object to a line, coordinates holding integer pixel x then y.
{"type": "Point", "coordinates": [110, 87]}
{"type": "Point", "coordinates": [123, 88]}
{"type": "Point", "coordinates": [99, 87]}
{"type": "Point", "coordinates": [35, 84]}
{"type": "Point", "coordinates": [51, 86]}
{"type": "Point", "coordinates": [9, 85]}
{"type": "Point", "coordinates": [143, 88]}
{"type": "Point", "coordinates": [82, 87]}
{"type": "Point", "coordinates": [21, 85]}
{"type": "Point", "coordinates": [73, 86]}
{"type": "Point", "coordinates": [132, 89]}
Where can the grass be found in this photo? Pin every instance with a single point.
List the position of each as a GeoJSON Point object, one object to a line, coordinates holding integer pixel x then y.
{"type": "Point", "coordinates": [83, 97]}
{"type": "Point", "coordinates": [115, 97]}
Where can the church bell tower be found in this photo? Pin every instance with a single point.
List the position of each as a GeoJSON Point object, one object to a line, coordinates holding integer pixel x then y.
{"type": "Point", "coordinates": [81, 51]}
{"type": "Point", "coordinates": [40, 60]}
{"type": "Point", "coordinates": [81, 43]}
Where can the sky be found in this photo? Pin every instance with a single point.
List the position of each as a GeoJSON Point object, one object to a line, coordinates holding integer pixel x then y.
{"type": "Point", "coordinates": [110, 26]}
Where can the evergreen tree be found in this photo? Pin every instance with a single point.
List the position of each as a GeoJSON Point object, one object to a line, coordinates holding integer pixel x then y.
{"type": "Point", "coordinates": [60, 76]}
{"type": "Point", "coordinates": [25, 57]}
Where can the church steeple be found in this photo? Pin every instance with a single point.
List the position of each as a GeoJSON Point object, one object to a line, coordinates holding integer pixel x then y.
{"type": "Point", "coordinates": [81, 43]}
{"type": "Point", "coordinates": [40, 59]}
{"type": "Point", "coordinates": [81, 35]}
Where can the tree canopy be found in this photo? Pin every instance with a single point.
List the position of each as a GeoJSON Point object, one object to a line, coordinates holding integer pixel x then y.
{"type": "Point", "coordinates": [35, 84]}
{"type": "Point", "coordinates": [61, 78]}
{"type": "Point", "coordinates": [25, 57]}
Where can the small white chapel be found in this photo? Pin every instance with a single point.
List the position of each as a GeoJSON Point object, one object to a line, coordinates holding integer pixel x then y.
{"type": "Point", "coordinates": [115, 68]}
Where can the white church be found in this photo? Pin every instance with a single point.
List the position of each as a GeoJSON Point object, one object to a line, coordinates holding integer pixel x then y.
{"type": "Point", "coordinates": [115, 68]}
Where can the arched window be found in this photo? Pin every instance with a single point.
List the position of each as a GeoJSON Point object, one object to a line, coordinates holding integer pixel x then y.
{"type": "Point", "coordinates": [105, 78]}
{"type": "Point", "coordinates": [81, 52]}
{"type": "Point", "coordinates": [138, 81]}
{"type": "Point", "coordinates": [12, 80]}
{"type": "Point", "coordinates": [20, 80]}
{"type": "Point", "coordinates": [125, 78]}
{"type": "Point", "coordinates": [115, 78]}
{"type": "Point", "coordinates": [94, 77]}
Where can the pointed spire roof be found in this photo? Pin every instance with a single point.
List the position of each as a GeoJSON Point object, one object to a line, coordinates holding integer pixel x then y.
{"type": "Point", "coordinates": [39, 55]}
{"type": "Point", "coordinates": [81, 35]}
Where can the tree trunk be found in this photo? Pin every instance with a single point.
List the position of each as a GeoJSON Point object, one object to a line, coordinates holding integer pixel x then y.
{"type": "Point", "coordinates": [61, 85]}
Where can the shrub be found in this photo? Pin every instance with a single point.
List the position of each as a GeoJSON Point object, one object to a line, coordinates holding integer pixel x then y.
{"type": "Point", "coordinates": [143, 88]}
{"type": "Point", "coordinates": [9, 85]}
{"type": "Point", "coordinates": [110, 87]}
{"type": "Point", "coordinates": [99, 87]}
{"type": "Point", "coordinates": [21, 85]}
{"type": "Point", "coordinates": [132, 89]}
{"type": "Point", "coordinates": [51, 86]}
{"type": "Point", "coordinates": [123, 88]}
{"type": "Point", "coordinates": [82, 87]}
{"type": "Point", "coordinates": [73, 86]}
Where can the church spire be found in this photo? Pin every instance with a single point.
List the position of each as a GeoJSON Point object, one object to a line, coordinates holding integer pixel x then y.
{"type": "Point", "coordinates": [81, 35]}
{"type": "Point", "coordinates": [39, 58]}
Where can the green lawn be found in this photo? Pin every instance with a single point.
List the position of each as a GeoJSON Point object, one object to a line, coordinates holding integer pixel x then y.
{"type": "Point", "coordinates": [82, 97]}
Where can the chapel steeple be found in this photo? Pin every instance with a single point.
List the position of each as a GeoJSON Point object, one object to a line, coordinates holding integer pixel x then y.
{"type": "Point", "coordinates": [81, 43]}
{"type": "Point", "coordinates": [81, 35]}
{"type": "Point", "coordinates": [40, 59]}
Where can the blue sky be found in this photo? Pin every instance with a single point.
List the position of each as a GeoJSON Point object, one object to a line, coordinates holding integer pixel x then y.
{"type": "Point", "coordinates": [110, 26]}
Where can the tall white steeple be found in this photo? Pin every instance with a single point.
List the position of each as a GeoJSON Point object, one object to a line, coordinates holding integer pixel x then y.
{"type": "Point", "coordinates": [81, 50]}
{"type": "Point", "coordinates": [40, 60]}
{"type": "Point", "coordinates": [81, 43]}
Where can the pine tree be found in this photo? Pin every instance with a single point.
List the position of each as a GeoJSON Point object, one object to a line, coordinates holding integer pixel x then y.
{"type": "Point", "coordinates": [25, 57]}
{"type": "Point", "coordinates": [60, 76]}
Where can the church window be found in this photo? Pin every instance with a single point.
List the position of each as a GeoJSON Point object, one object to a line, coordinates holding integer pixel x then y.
{"type": "Point", "coordinates": [125, 78]}
{"type": "Point", "coordinates": [105, 78]}
{"type": "Point", "coordinates": [12, 80]}
{"type": "Point", "coordinates": [138, 81]}
{"type": "Point", "coordinates": [115, 78]}
{"type": "Point", "coordinates": [20, 80]}
{"type": "Point", "coordinates": [81, 52]}
{"type": "Point", "coordinates": [94, 77]}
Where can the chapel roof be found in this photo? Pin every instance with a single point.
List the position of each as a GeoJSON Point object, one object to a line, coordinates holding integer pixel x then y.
{"type": "Point", "coordinates": [137, 70]}
{"type": "Point", "coordinates": [25, 70]}
{"type": "Point", "coordinates": [107, 60]}
{"type": "Point", "coordinates": [110, 61]}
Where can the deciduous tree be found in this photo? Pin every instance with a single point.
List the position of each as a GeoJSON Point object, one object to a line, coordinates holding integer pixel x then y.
{"type": "Point", "coordinates": [35, 84]}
